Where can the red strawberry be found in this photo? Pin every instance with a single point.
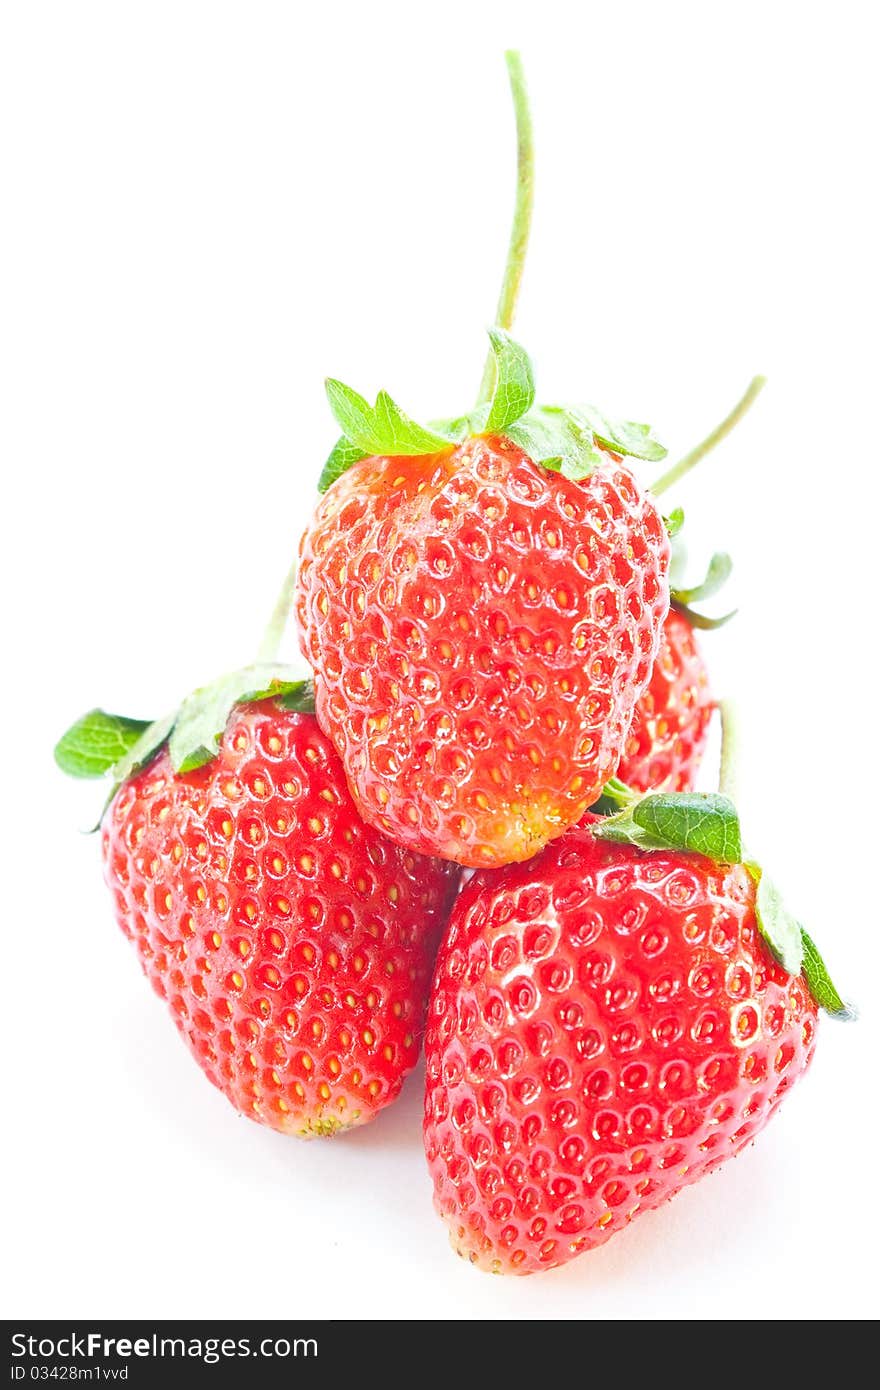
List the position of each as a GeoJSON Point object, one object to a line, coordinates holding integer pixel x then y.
{"type": "Point", "coordinates": [481, 599]}
{"type": "Point", "coordinates": [293, 944]}
{"type": "Point", "coordinates": [667, 737]}
{"type": "Point", "coordinates": [606, 1026]}
{"type": "Point", "coordinates": [480, 629]}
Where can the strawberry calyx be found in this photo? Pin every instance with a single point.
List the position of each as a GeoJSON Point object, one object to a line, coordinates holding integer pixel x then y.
{"type": "Point", "coordinates": [707, 823]}
{"type": "Point", "coordinates": [571, 440]}
{"type": "Point", "coordinates": [682, 598]}
{"type": "Point", "coordinates": [112, 745]}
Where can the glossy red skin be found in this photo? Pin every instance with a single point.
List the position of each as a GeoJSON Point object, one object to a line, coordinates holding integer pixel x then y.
{"type": "Point", "coordinates": [480, 630]}
{"type": "Point", "coordinates": [667, 737]}
{"type": "Point", "coordinates": [293, 944]}
{"type": "Point", "coordinates": [605, 1027]}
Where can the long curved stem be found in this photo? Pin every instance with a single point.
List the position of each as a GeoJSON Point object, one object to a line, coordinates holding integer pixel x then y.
{"type": "Point", "coordinates": [268, 648]}
{"type": "Point", "coordinates": [522, 212]}
{"type": "Point", "coordinates": [727, 773]}
{"type": "Point", "coordinates": [690, 460]}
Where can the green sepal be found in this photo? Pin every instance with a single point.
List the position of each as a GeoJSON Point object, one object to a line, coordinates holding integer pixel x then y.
{"type": "Point", "coordinates": [623, 436]}
{"type": "Point", "coordinates": [95, 743]}
{"type": "Point", "coordinates": [820, 985]}
{"type": "Point", "coordinates": [340, 459]}
{"type": "Point", "coordinates": [683, 597]}
{"type": "Point", "coordinates": [514, 391]}
{"type": "Point", "coordinates": [700, 620]}
{"type": "Point", "coordinates": [717, 575]}
{"type": "Point", "coordinates": [192, 732]}
{"type": "Point", "coordinates": [147, 746]}
{"type": "Point", "coordinates": [300, 698]}
{"type": "Point", "coordinates": [700, 822]}
{"type": "Point", "coordinates": [382, 428]}
{"type": "Point", "coordinates": [781, 932]}
{"type": "Point", "coordinates": [202, 718]}
{"type": "Point", "coordinates": [616, 796]}
{"type": "Point", "coordinates": [674, 522]}
{"type": "Point", "coordinates": [574, 440]}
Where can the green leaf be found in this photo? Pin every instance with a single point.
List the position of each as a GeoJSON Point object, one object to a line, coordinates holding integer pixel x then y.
{"type": "Point", "coordinates": [700, 620]}
{"type": "Point", "coordinates": [556, 440]}
{"type": "Point", "coordinates": [717, 575]}
{"type": "Point", "coordinates": [701, 822]}
{"type": "Point", "coordinates": [381, 428]}
{"type": "Point", "coordinates": [781, 931]}
{"type": "Point", "coordinates": [674, 522]}
{"type": "Point", "coordinates": [300, 698]}
{"type": "Point", "coordinates": [820, 985]}
{"type": "Point", "coordinates": [147, 747]}
{"type": "Point", "coordinates": [623, 436]}
{"type": "Point", "coordinates": [616, 796]}
{"type": "Point", "coordinates": [202, 718]}
{"type": "Point", "coordinates": [514, 391]}
{"type": "Point", "coordinates": [92, 745]}
{"type": "Point", "coordinates": [565, 440]}
{"type": "Point", "coordinates": [341, 457]}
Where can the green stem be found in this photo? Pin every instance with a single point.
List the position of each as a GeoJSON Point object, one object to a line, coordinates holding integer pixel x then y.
{"type": "Point", "coordinates": [268, 648]}
{"type": "Point", "coordinates": [727, 773]}
{"type": "Point", "coordinates": [678, 470]}
{"type": "Point", "coordinates": [522, 213]}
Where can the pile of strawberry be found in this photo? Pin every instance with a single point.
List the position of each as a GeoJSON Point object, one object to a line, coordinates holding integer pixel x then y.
{"type": "Point", "coordinates": [503, 677]}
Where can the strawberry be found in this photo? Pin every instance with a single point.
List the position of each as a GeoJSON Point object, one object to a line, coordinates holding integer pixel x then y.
{"type": "Point", "coordinates": [480, 630]}
{"type": "Point", "coordinates": [292, 942]}
{"type": "Point", "coordinates": [481, 599]}
{"type": "Point", "coordinates": [608, 1023]}
{"type": "Point", "coordinates": [667, 737]}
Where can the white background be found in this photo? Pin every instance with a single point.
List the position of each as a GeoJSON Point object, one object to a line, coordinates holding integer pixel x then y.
{"type": "Point", "coordinates": [207, 208]}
